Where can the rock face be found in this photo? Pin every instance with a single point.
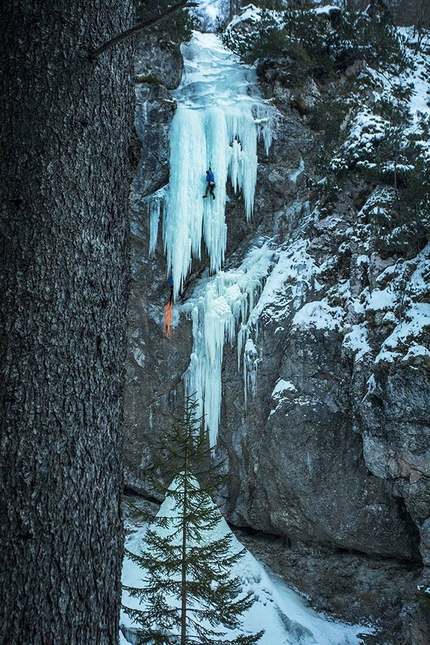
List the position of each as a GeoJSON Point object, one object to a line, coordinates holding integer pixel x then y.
{"type": "Point", "coordinates": [329, 460]}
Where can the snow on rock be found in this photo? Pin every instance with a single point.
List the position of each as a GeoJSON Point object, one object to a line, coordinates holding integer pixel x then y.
{"type": "Point", "coordinates": [357, 341]}
{"type": "Point", "coordinates": [249, 13]}
{"type": "Point", "coordinates": [319, 315]}
{"type": "Point", "coordinates": [288, 284]}
{"type": "Point", "coordinates": [411, 334]}
{"type": "Point", "coordinates": [382, 299]}
{"type": "Point", "coordinates": [281, 387]}
{"type": "Point", "coordinates": [416, 321]}
{"type": "Point", "coordinates": [282, 391]}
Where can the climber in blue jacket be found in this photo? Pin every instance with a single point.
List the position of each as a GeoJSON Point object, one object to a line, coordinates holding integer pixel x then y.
{"type": "Point", "coordinates": [210, 185]}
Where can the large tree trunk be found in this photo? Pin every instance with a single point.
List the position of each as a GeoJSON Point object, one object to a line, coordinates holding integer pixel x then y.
{"type": "Point", "coordinates": [66, 122]}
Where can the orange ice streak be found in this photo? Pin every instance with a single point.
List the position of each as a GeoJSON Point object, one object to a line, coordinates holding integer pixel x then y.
{"type": "Point", "coordinates": [168, 320]}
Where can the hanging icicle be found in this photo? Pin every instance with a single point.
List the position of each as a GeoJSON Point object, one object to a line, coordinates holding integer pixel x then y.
{"type": "Point", "coordinates": [221, 305]}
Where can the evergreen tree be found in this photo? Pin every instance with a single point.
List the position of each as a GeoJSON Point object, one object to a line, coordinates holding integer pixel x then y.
{"type": "Point", "coordinates": [317, 45]}
{"type": "Point", "coordinates": [178, 27]}
{"type": "Point", "coordinates": [66, 126]}
{"type": "Point", "coordinates": [188, 593]}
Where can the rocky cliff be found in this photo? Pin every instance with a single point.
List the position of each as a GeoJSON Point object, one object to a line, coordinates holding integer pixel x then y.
{"type": "Point", "coordinates": [328, 451]}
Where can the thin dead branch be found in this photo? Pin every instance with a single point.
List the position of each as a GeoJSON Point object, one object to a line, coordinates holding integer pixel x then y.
{"type": "Point", "coordinates": [183, 4]}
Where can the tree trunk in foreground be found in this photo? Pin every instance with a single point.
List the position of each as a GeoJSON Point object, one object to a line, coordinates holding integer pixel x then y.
{"type": "Point", "coordinates": [66, 122]}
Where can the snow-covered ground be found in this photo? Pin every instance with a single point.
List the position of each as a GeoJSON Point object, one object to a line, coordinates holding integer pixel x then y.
{"type": "Point", "coordinates": [285, 616]}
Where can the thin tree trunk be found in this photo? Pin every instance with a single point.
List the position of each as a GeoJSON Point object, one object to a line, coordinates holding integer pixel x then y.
{"type": "Point", "coordinates": [66, 123]}
{"type": "Point", "coordinates": [184, 548]}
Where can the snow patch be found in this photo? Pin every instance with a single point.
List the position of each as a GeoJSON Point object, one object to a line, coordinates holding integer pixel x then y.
{"type": "Point", "coordinates": [319, 315]}
{"type": "Point", "coordinates": [281, 387]}
{"type": "Point", "coordinates": [382, 299]}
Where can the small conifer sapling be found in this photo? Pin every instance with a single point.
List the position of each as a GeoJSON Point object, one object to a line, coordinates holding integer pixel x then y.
{"type": "Point", "coordinates": [189, 595]}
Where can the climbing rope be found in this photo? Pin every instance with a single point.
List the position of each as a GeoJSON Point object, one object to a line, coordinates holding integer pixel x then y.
{"type": "Point", "coordinates": [168, 319]}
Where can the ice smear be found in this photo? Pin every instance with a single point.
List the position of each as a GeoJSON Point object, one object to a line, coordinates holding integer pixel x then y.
{"type": "Point", "coordinates": [154, 204]}
{"type": "Point", "coordinates": [251, 359]}
{"type": "Point", "coordinates": [229, 305]}
{"type": "Point", "coordinates": [284, 616]}
{"type": "Point", "coordinates": [357, 341]}
{"type": "Point", "coordinates": [319, 315]}
{"type": "Point", "coordinates": [217, 123]}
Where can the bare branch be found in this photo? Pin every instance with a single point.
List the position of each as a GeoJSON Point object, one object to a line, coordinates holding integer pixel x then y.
{"type": "Point", "coordinates": [183, 4]}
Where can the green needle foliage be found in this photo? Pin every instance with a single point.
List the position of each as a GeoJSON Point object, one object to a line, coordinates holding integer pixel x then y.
{"type": "Point", "coordinates": [188, 594]}
{"type": "Point", "coordinates": [178, 27]}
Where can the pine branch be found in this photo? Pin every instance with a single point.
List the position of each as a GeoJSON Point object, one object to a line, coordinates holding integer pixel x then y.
{"type": "Point", "coordinates": [137, 29]}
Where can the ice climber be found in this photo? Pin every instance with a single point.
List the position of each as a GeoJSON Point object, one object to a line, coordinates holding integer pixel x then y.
{"type": "Point", "coordinates": [170, 283]}
{"type": "Point", "coordinates": [210, 185]}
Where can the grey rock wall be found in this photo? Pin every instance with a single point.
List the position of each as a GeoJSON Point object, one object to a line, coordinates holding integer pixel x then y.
{"type": "Point", "coordinates": [329, 482]}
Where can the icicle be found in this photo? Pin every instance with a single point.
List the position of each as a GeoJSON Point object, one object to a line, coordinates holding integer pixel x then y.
{"type": "Point", "coordinates": [155, 205]}
{"type": "Point", "coordinates": [265, 116]}
{"type": "Point", "coordinates": [183, 218]}
{"type": "Point", "coordinates": [222, 302]}
{"type": "Point", "coordinates": [154, 213]}
{"type": "Point", "coordinates": [250, 365]}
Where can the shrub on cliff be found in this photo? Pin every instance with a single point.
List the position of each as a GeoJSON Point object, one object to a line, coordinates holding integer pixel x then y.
{"type": "Point", "coordinates": [179, 27]}
{"type": "Point", "coordinates": [317, 42]}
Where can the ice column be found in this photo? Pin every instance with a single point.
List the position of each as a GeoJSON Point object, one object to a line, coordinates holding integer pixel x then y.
{"type": "Point", "coordinates": [219, 306]}
{"type": "Point", "coordinates": [155, 204]}
{"type": "Point", "coordinates": [216, 124]}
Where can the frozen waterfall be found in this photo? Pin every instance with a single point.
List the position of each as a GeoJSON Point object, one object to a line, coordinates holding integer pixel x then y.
{"type": "Point", "coordinates": [219, 305]}
{"type": "Point", "coordinates": [216, 125]}
{"type": "Point", "coordinates": [219, 118]}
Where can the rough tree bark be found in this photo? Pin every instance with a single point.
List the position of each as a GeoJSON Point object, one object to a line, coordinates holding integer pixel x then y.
{"type": "Point", "coordinates": [66, 121]}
